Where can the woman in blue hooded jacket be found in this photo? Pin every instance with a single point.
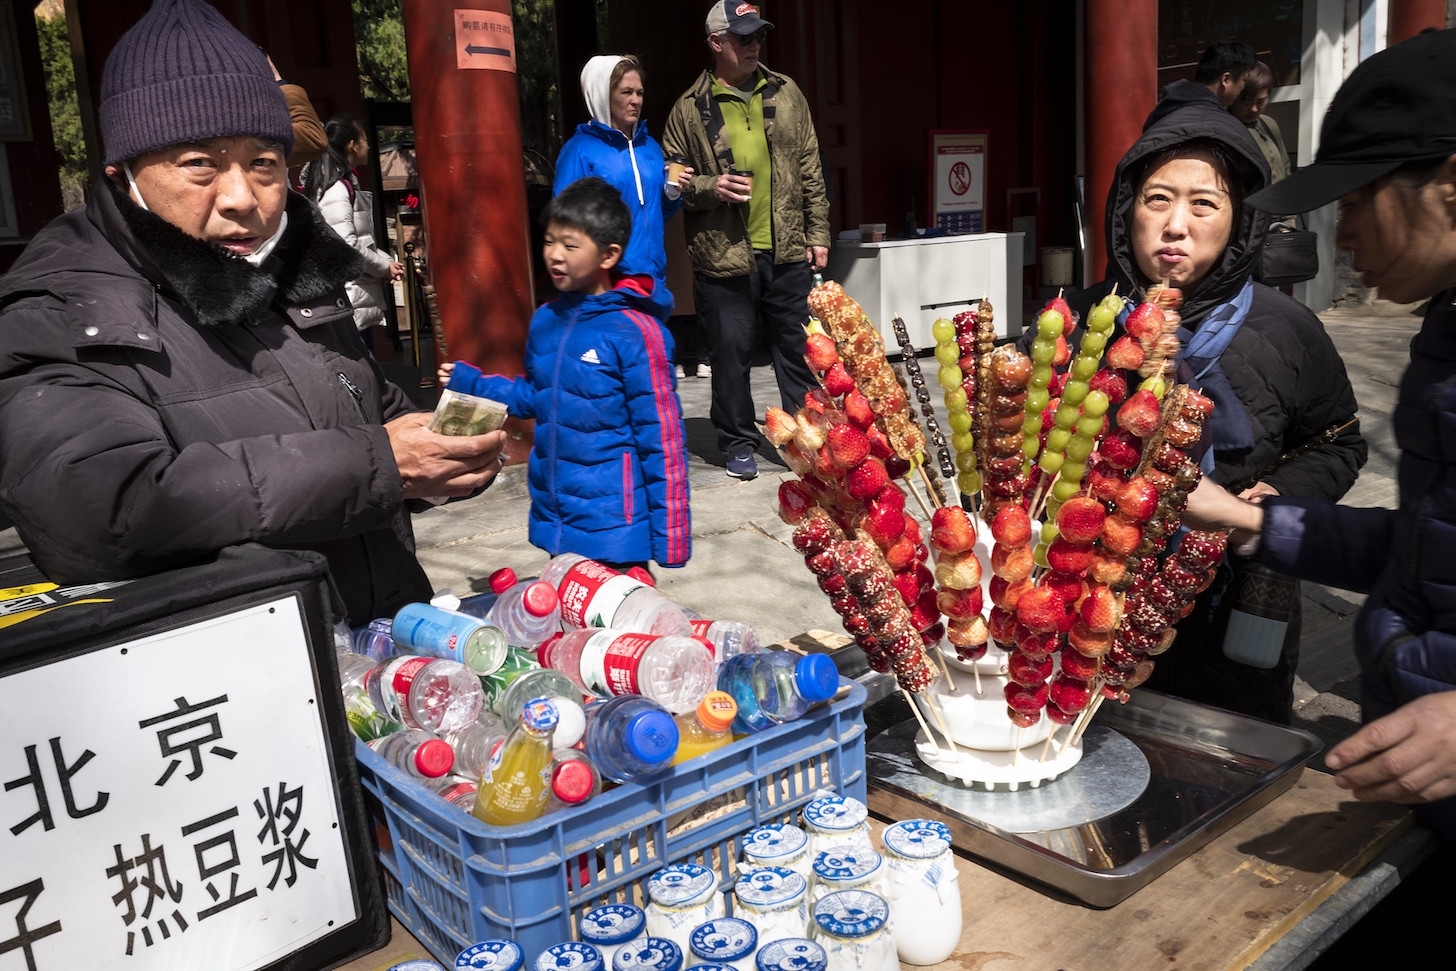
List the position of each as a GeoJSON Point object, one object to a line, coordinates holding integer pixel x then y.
{"type": "Point", "coordinates": [615, 147]}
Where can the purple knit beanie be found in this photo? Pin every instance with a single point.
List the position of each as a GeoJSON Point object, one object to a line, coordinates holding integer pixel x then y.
{"type": "Point", "coordinates": [183, 74]}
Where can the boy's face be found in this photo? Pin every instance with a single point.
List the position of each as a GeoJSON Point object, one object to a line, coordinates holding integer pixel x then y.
{"type": "Point", "coordinates": [576, 263]}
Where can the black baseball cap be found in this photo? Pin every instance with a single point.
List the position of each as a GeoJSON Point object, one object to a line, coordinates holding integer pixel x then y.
{"type": "Point", "coordinates": [735, 16]}
{"type": "Point", "coordinates": [1399, 106]}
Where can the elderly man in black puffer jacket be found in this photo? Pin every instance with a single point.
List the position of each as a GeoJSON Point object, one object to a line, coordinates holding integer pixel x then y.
{"type": "Point", "coordinates": [179, 368]}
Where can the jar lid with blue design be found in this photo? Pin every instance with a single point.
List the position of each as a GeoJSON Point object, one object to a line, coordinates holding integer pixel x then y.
{"type": "Point", "coordinates": [724, 939]}
{"type": "Point", "coordinates": [540, 715]}
{"type": "Point", "coordinates": [851, 913]}
{"type": "Point", "coordinates": [419, 965]}
{"type": "Point", "coordinates": [681, 885]}
{"type": "Point", "coordinates": [792, 954]}
{"type": "Point", "coordinates": [649, 954]}
{"type": "Point", "coordinates": [612, 924]}
{"type": "Point", "coordinates": [770, 888]}
{"type": "Point", "coordinates": [709, 966]}
{"type": "Point", "coordinates": [849, 862]}
{"type": "Point", "coordinates": [835, 813]}
{"type": "Point", "coordinates": [776, 841]}
{"type": "Point", "coordinates": [570, 956]}
{"type": "Point", "coordinates": [918, 839]}
{"type": "Point", "coordinates": [491, 956]}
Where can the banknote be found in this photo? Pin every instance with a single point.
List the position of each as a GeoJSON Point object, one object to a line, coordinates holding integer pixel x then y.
{"type": "Point", "coordinates": [457, 413]}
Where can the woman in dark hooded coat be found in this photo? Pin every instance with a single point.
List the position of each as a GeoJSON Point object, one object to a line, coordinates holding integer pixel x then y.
{"type": "Point", "coordinates": [1176, 213]}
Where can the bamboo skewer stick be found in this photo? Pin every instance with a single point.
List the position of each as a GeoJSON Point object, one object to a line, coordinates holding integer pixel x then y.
{"type": "Point", "coordinates": [940, 720]}
{"type": "Point", "coordinates": [976, 670]}
{"type": "Point", "coordinates": [1091, 711]}
{"type": "Point", "coordinates": [936, 652]}
{"type": "Point", "coordinates": [929, 487]}
{"type": "Point", "coordinates": [1047, 747]}
{"type": "Point", "coordinates": [920, 718]}
{"type": "Point", "coordinates": [1016, 752]}
{"type": "Point", "coordinates": [910, 483]}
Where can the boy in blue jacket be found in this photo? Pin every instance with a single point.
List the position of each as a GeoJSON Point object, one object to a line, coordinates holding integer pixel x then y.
{"type": "Point", "coordinates": [608, 474]}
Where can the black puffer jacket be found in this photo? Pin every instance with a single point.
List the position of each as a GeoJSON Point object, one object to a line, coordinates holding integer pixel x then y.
{"type": "Point", "coordinates": [1285, 373]}
{"type": "Point", "coordinates": [160, 400]}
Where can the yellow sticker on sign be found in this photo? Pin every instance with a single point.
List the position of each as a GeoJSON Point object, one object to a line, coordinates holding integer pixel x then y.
{"type": "Point", "coordinates": [484, 40]}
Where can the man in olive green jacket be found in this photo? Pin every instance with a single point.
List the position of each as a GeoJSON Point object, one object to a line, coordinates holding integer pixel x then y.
{"type": "Point", "coordinates": [756, 219]}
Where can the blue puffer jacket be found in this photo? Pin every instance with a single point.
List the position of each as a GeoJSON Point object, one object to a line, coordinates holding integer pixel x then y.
{"type": "Point", "coordinates": [1405, 635]}
{"type": "Point", "coordinates": [635, 170]}
{"type": "Point", "coordinates": [608, 474]}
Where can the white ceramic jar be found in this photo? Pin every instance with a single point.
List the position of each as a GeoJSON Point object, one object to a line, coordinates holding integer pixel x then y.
{"type": "Point", "coordinates": [613, 926]}
{"type": "Point", "coordinates": [774, 900]}
{"type": "Point", "coordinates": [848, 866]}
{"type": "Point", "coordinates": [791, 954]}
{"type": "Point", "coordinates": [570, 956]}
{"type": "Point", "coordinates": [834, 820]}
{"type": "Point", "coordinates": [649, 954]}
{"type": "Point", "coordinates": [924, 890]}
{"type": "Point", "coordinates": [778, 844]}
{"type": "Point", "coordinates": [853, 928]}
{"type": "Point", "coordinates": [493, 955]}
{"type": "Point", "coordinates": [682, 896]}
{"type": "Point", "coordinates": [726, 940]}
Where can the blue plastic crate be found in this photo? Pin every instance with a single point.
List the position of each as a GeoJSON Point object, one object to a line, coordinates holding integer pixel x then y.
{"type": "Point", "coordinates": [454, 880]}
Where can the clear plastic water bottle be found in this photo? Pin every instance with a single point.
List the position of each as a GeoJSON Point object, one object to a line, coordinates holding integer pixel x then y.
{"type": "Point", "coordinates": [594, 595]}
{"type": "Point", "coordinates": [527, 611]}
{"type": "Point", "coordinates": [375, 640]}
{"type": "Point", "coordinates": [729, 638]}
{"type": "Point", "coordinates": [774, 687]}
{"type": "Point", "coordinates": [425, 692]}
{"type": "Point", "coordinates": [419, 753]}
{"type": "Point", "coordinates": [545, 683]}
{"type": "Point", "coordinates": [706, 729]}
{"type": "Point", "coordinates": [517, 783]}
{"type": "Point", "coordinates": [460, 794]}
{"type": "Point", "coordinates": [574, 779]}
{"type": "Point", "coordinates": [629, 738]}
{"type": "Point", "coordinates": [562, 654]}
{"type": "Point", "coordinates": [365, 721]}
{"type": "Point", "coordinates": [475, 744]}
{"type": "Point", "coordinates": [673, 671]}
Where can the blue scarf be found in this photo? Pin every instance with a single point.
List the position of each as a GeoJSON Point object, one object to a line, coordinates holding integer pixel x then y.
{"type": "Point", "coordinates": [1202, 350]}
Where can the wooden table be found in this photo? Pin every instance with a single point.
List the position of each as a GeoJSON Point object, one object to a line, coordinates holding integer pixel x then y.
{"type": "Point", "coordinates": [1221, 908]}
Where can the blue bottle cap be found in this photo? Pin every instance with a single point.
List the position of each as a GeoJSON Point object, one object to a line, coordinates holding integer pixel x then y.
{"type": "Point", "coordinates": [774, 841]}
{"type": "Point", "coordinates": [649, 954]}
{"type": "Point", "coordinates": [724, 939]}
{"type": "Point", "coordinates": [612, 924]}
{"type": "Point", "coordinates": [847, 862]}
{"type": "Point", "coordinates": [681, 884]}
{"type": "Point", "coordinates": [918, 839]}
{"type": "Point", "coordinates": [836, 813]}
{"type": "Point", "coordinates": [851, 913]}
{"type": "Point", "coordinates": [491, 956]}
{"type": "Point", "coordinates": [651, 736]}
{"type": "Point", "coordinates": [540, 715]}
{"type": "Point", "coordinates": [770, 888]}
{"type": "Point", "coordinates": [570, 956]}
{"type": "Point", "coordinates": [792, 954]}
{"type": "Point", "coordinates": [817, 677]}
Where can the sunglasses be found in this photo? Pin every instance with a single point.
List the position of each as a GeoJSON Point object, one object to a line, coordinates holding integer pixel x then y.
{"type": "Point", "coordinates": [744, 40]}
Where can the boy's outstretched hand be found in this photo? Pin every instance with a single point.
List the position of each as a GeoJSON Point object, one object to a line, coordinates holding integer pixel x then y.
{"type": "Point", "coordinates": [434, 465]}
{"type": "Point", "coordinates": [442, 373]}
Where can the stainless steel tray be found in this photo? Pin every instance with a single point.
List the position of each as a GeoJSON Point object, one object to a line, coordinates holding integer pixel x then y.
{"type": "Point", "coordinates": [1161, 778]}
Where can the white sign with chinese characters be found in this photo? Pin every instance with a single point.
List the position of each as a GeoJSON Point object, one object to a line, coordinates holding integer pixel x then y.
{"type": "Point", "coordinates": [168, 803]}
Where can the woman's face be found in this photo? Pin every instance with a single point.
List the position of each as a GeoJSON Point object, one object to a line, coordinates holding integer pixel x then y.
{"type": "Point", "coordinates": [1181, 221]}
{"type": "Point", "coordinates": [627, 103]}
{"type": "Point", "coordinates": [358, 149]}
{"type": "Point", "coordinates": [1402, 237]}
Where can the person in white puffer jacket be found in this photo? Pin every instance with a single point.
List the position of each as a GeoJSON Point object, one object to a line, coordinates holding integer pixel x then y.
{"type": "Point", "coordinates": [330, 182]}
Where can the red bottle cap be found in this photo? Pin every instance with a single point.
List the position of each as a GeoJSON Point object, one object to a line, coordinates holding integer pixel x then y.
{"type": "Point", "coordinates": [543, 651]}
{"type": "Point", "coordinates": [540, 599]}
{"type": "Point", "coordinates": [434, 758]}
{"type": "Point", "coordinates": [641, 576]}
{"type": "Point", "coordinates": [503, 579]}
{"type": "Point", "coordinates": [573, 781]}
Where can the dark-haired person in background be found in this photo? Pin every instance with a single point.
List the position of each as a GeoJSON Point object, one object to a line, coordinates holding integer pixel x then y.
{"type": "Point", "coordinates": [1218, 79]}
{"type": "Point", "coordinates": [331, 182]}
{"type": "Point", "coordinates": [1250, 108]}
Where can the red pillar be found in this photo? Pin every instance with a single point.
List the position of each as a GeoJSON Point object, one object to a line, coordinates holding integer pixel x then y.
{"type": "Point", "coordinates": [468, 147]}
{"type": "Point", "coordinates": [1121, 87]}
{"type": "Point", "coordinates": [1406, 18]}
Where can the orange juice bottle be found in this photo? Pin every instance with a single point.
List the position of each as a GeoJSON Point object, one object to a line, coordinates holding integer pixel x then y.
{"type": "Point", "coordinates": [517, 783]}
{"type": "Point", "coordinates": [706, 729]}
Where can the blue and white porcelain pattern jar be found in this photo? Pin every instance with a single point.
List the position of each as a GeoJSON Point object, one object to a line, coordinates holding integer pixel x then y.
{"type": "Point", "coordinates": [612, 926]}
{"type": "Point", "coordinates": [853, 928]}
{"type": "Point", "coordinates": [778, 844]}
{"type": "Point", "coordinates": [834, 820]}
{"type": "Point", "coordinates": [849, 866]}
{"type": "Point", "coordinates": [726, 940]}
{"type": "Point", "coordinates": [570, 956]}
{"type": "Point", "coordinates": [923, 888]}
{"type": "Point", "coordinates": [774, 900]}
{"type": "Point", "coordinates": [791, 954]}
{"type": "Point", "coordinates": [649, 954]}
{"type": "Point", "coordinates": [682, 896]}
{"type": "Point", "coordinates": [495, 955]}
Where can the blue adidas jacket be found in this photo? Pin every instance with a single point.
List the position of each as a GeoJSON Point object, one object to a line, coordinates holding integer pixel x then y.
{"type": "Point", "coordinates": [636, 171]}
{"type": "Point", "coordinates": [608, 473]}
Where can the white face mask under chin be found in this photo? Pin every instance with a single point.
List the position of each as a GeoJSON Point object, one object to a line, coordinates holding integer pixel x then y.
{"type": "Point", "coordinates": [255, 258]}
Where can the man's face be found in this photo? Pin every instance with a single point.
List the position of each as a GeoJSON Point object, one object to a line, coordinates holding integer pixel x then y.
{"type": "Point", "coordinates": [736, 55]}
{"type": "Point", "coordinates": [1250, 105]}
{"type": "Point", "coordinates": [230, 192]}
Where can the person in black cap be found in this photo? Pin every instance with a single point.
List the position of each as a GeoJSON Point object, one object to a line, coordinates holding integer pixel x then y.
{"type": "Point", "coordinates": [1388, 155]}
{"type": "Point", "coordinates": [179, 368]}
{"type": "Point", "coordinates": [756, 218]}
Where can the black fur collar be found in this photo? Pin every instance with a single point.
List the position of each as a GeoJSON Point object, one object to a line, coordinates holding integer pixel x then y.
{"type": "Point", "coordinates": [309, 263]}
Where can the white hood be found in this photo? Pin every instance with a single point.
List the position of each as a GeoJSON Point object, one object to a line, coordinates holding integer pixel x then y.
{"type": "Point", "coordinates": [596, 88]}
